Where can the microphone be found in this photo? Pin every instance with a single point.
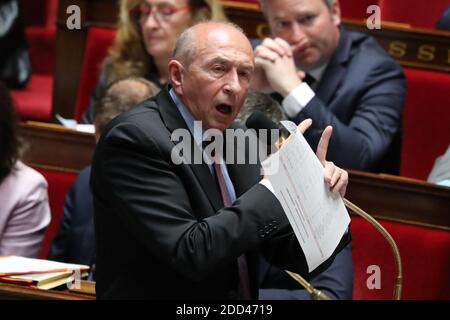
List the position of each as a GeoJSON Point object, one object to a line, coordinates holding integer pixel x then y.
{"type": "Point", "coordinates": [258, 120]}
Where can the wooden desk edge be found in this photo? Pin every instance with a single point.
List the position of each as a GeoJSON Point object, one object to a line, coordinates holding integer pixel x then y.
{"type": "Point", "coordinates": [12, 291]}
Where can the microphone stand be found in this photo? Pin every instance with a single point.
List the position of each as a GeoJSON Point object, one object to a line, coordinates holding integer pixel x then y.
{"type": "Point", "coordinates": [319, 295]}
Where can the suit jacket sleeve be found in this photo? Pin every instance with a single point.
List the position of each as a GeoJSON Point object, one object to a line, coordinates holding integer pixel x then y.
{"type": "Point", "coordinates": [152, 201]}
{"type": "Point", "coordinates": [376, 119]}
{"type": "Point", "coordinates": [336, 281]}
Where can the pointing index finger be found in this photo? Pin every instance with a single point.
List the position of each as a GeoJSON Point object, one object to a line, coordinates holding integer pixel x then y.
{"type": "Point", "coordinates": [322, 147]}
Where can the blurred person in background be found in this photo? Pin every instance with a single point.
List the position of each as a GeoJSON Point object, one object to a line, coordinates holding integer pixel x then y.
{"type": "Point", "coordinates": [146, 35]}
{"type": "Point", "coordinates": [24, 207]}
{"type": "Point", "coordinates": [75, 241]}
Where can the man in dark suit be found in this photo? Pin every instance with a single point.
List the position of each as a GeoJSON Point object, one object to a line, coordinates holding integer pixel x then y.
{"type": "Point", "coordinates": [75, 241]}
{"type": "Point", "coordinates": [335, 77]}
{"type": "Point", "coordinates": [339, 78]}
{"type": "Point", "coordinates": [169, 227]}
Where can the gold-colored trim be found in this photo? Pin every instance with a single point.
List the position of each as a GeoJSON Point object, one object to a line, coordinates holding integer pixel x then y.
{"type": "Point", "coordinates": [240, 5]}
{"type": "Point", "coordinates": [319, 295]}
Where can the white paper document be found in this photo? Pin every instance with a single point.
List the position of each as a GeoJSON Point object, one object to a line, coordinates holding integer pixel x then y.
{"type": "Point", "coordinates": [14, 265]}
{"type": "Point", "coordinates": [318, 217]}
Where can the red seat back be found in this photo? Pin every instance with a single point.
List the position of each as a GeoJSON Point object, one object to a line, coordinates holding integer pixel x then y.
{"type": "Point", "coordinates": [59, 183]}
{"type": "Point", "coordinates": [425, 254]}
{"type": "Point", "coordinates": [417, 13]}
{"type": "Point", "coordinates": [40, 13]}
{"type": "Point", "coordinates": [426, 121]}
{"type": "Point", "coordinates": [34, 101]}
{"type": "Point", "coordinates": [353, 9]}
{"type": "Point", "coordinates": [97, 44]}
{"type": "Point", "coordinates": [356, 9]}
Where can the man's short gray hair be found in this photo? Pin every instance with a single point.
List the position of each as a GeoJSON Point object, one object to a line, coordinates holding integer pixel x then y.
{"type": "Point", "coordinates": [263, 4]}
{"type": "Point", "coordinates": [120, 96]}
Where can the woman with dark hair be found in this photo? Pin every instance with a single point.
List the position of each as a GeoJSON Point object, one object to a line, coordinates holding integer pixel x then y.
{"type": "Point", "coordinates": [24, 209]}
{"type": "Point", "coordinates": [146, 34]}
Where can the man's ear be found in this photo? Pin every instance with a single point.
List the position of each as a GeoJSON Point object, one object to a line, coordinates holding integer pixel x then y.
{"type": "Point", "coordinates": [176, 76]}
{"type": "Point", "coordinates": [336, 13]}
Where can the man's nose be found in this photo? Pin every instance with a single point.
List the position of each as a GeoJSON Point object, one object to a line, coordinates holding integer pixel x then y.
{"type": "Point", "coordinates": [297, 34]}
{"type": "Point", "coordinates": [233, 84]}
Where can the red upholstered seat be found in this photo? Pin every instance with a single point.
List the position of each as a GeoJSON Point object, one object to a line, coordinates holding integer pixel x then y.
{"type": "Point", "coordinates": [426, 121]}
{"type": "Point", "coordinates": [39, 12]}
{"type": "Point", "coordinates": [41, 42]}
{"type": "Point", "coordinates": [356, 9]}
{"type": "Point", "coordinates": [59, 183]}
{"type": "Point", "coordinates": [35, 100]}
{"type": "Point", "coordinates": [425, 254]}
{"type": "Point", "coordinates": [417, 13]}
{"type": "Point", "coordinates": [97, 44]}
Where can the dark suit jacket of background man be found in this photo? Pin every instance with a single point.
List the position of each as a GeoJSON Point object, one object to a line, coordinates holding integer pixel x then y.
{"type": "Point", "coordinates": [161, 229]}
{"type": "Point", "coordinates": [444, 20]}
{"type": "Point", "coordinates": [75, 241]}
{"type": "Point", "coordinates": [361, 95]}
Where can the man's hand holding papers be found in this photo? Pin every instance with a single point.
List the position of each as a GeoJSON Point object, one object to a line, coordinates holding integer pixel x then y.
{"type": "Point", "coordinates": [315, 209]}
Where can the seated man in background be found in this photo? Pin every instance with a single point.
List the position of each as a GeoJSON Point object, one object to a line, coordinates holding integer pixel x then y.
{"type": "Point", "coordinates": [24, 207]}
{"type": "Point", "coordinates": [335, 77]}
{"type": "Point", "coordinates": [75, 241]}
{"type": "Point", "coordinates": [337, 280]}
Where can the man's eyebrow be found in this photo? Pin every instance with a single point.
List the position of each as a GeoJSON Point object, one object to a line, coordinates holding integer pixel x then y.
{"type": "Point", "coordinates": [294, 15]}
{"type": "Point", "coordinates": [247, 67]}
{"type": "Point", "coordinates": [220, 60]}
{"type": "Point", "coordinates": [224, 61]}
{"type": "Point", "coordinates": [280, 16]}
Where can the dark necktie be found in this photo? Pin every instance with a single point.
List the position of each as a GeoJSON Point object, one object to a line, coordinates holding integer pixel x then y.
{"type": "Point", "coordinates": [244, 286]}
{"type": "Point", "coordinates": [309, 79]}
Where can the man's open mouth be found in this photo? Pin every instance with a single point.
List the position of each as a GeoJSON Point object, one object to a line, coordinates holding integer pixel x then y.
{"type": "Point", "coordinates": [224, 108]}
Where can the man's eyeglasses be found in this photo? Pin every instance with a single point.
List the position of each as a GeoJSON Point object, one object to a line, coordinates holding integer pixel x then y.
{"type": "Point", "coordinates": [162, 11]}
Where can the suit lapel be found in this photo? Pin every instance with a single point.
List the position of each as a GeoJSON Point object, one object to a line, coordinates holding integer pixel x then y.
{"type": "Point", "coordinates": [206, 180]}
{"type": "Point", "coordinates": [174, 120]}
{"type": "Point", "coordinates": [336, 69]}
